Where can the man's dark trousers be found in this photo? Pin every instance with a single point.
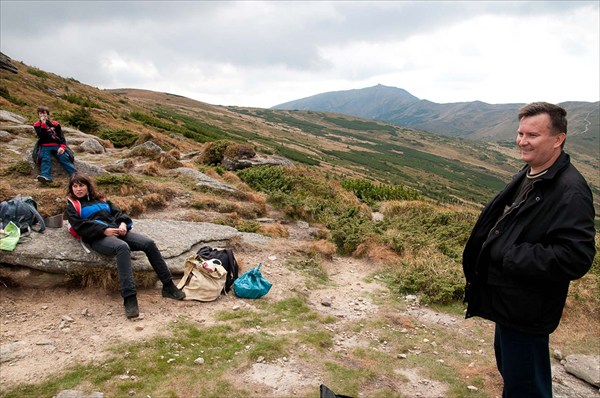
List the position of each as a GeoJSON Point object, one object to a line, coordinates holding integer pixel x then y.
{"type": "Point", "coordinates": [524, 363]}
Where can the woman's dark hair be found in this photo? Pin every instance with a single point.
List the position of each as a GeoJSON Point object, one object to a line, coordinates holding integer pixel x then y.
{"type": "Point", "coordinates": [81, 178]}
{"type": "Point", "coordinates": [43, 109]}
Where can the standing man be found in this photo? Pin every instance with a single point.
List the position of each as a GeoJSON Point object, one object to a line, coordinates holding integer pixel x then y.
{"type": "Point", "coordinates": [51, 143]}
{"type": "Point", "coordinates": [529, 242]}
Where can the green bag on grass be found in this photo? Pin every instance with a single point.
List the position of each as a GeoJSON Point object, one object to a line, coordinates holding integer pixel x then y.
{"type": "Point", "coordinates": [11, 237]}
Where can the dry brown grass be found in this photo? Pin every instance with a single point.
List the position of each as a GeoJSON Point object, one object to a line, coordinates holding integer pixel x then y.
{"type": "Point", "coordinates": [175, 153]}
{"type": "Point", "coordinates": [109, 279]}
{"type": "Point", "coordinates": [320, 248]}
{"type": "Point", "coordinates": [580, 323]}
{"type": "Point", "coordinates": [257, 198]}
{"type": "Point", "coordinates": [394, 208]}
{"type": "Point", "coordinates": [374, 250]}
{"type": "Point", "coordinates": [274, 230]}
{"type": "Point", "coordinates": [132, 206]}
{"type": "Point", "coordinates": [151, 169]}
{"type": "Point", "coordinates": [7, 191]}
{"type": "Point", "coordinates": [232, 178]}
{"type": "Point", "coordinates": [168, 161]}
{"type": "Point", "coordinates": [212, 173]}
{"type": "Point", "coordinates": [154, 200]}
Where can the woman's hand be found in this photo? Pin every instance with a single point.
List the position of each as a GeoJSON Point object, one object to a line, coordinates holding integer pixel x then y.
{"type": "Point", "coordinates": [123, 229]}
{"type": "Point", "coordinates": [112, 232]}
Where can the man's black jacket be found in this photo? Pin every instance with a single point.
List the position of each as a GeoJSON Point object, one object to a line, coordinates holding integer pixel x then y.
{"type": "Point", "coordinates": [518, 265]}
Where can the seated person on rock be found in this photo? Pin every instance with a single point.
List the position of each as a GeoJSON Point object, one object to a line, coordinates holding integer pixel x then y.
{"type": "Point", "coordinates": [108, 231]}
{"type": "Point", "coordinates": [52, 143]}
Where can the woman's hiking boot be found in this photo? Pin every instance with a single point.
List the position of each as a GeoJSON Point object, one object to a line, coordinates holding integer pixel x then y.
{"type": "Point", "coordinates": [131, 307]}
{"type": "Point", "coordinates": [170, 290]}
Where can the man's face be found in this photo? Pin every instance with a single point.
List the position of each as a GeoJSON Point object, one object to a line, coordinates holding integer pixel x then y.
{"type": "Point", "coordinates": [539, 148]}
{"type": "Point", "coordinates": [43, 115]}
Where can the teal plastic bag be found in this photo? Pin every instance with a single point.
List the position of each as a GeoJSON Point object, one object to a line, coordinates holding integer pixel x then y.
{"type": "Point", "coordinates": [252, 284]}
{"type": "Point", "coordinates": [11, 237]}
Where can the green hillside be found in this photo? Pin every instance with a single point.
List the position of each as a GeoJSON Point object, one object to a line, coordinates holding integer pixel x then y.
{"type": "Point", "coordinates": [447, 169]}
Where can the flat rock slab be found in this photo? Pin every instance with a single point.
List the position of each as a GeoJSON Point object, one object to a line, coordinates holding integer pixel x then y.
{"type": "Point", "coordinates": [56, 251]}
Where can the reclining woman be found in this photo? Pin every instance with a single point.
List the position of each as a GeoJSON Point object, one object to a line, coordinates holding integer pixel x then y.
{"type": "Point", "coordinates": [107, 230]}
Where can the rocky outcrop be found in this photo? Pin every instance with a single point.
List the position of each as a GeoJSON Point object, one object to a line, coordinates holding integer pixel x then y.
{"type": "Point", "coordinates": [6, 116]}
{"type": "Point", "coordinates": [258, 160]}
{"type": "Point", "coordinates": [204, 180]}
{"type": "Point", "coordinates": [6, 64]}
{"type": "Point", "coordinates": [56, 251]}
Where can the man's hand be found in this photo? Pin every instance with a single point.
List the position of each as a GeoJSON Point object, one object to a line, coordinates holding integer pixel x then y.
{"type": "Point", "coordinates": [61, 150]}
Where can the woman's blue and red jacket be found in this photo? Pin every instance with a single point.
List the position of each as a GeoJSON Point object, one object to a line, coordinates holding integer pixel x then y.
{"type": "Point", "coordinates": [96, 215]}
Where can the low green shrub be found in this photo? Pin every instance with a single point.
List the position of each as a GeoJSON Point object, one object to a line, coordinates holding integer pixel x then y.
{"type": "Point", "coordinates": [82, 119]}
{"type": "Point", "coordinates": [115, 180]}
{"type": "Point", "coordinates": [21, 167]}
{"type": "Point", "coordinates": [268, 179]}
{"type": "Point", "coordinates": [120, 138]}
{"type": "Point", "coordinates": [38, 73]}
{"type": "Point", "coordinates": [417, 225]}
{"type": "Point", "coordinates": [248, 226]}
{"type": "Point", "coordinates": [434, 277]}
{"type": "Point", "coordinates": [79, 100]}
{"type": "Point", "coordinates": [370, 193]}
{"type": "Point", "coordinates": [352, 229]}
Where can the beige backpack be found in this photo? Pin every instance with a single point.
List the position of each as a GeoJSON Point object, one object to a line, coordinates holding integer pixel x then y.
{"type": "Point", "coordinates": [203, 280]}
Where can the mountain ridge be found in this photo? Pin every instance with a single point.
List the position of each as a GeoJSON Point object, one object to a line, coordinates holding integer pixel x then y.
{"type": "Point", "coordinates": [475, 120]}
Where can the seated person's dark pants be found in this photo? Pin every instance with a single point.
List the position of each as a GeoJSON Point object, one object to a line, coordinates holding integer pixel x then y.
{"type": "Point", "coordinates": [121, 247]}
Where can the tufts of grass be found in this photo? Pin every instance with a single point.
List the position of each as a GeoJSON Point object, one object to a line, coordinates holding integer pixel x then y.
{"type": "Point", "coordinates": [275, 230]}
{"type": "Point", "coordinates": [120, 138]}
{"type": "Point", "coordinates": [248, 226]}
{"type": "Point", "coordinates": [311, 266]}
{"type": "Point", "coordinates": [21, 167]}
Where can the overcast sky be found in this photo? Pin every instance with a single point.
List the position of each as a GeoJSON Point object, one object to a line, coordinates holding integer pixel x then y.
{"type": "Point", "coordinates": [261, 54]}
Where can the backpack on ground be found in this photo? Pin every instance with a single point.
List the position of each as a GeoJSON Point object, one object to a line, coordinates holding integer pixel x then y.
{"type": "Point", "coordinates": [227, 259]}
{"type": "Point", "coordinates": [21, 210]}
{"type": "Point", "coordinates": [203, 280]}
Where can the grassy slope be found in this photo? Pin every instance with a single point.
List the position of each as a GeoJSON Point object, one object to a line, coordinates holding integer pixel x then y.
{"type": "Point", "coordinates": [443, 168]}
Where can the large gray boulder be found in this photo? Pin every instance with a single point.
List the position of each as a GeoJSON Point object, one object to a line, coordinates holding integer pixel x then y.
{"type": "Point", "coordinates": [585, 367]}
{"type": "Point", "coordinates": [56, 251]}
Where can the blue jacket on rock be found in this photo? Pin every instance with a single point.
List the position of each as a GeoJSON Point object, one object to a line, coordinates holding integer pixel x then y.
{"type": "Point", "coordinates": [518, 264]}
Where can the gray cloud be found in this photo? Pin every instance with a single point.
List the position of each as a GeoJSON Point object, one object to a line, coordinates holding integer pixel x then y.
{"type": "Point", "coordinates": [87, 39]}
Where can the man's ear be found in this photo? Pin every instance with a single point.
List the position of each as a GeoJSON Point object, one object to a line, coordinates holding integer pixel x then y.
{"type": "Point", "coordinates": [560, 138]}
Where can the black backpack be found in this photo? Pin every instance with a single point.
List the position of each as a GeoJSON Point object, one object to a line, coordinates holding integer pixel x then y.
{"type": "Point", "coordinates": [22, 210]}
{"type": "Point", "coordinates": [227, 260]}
